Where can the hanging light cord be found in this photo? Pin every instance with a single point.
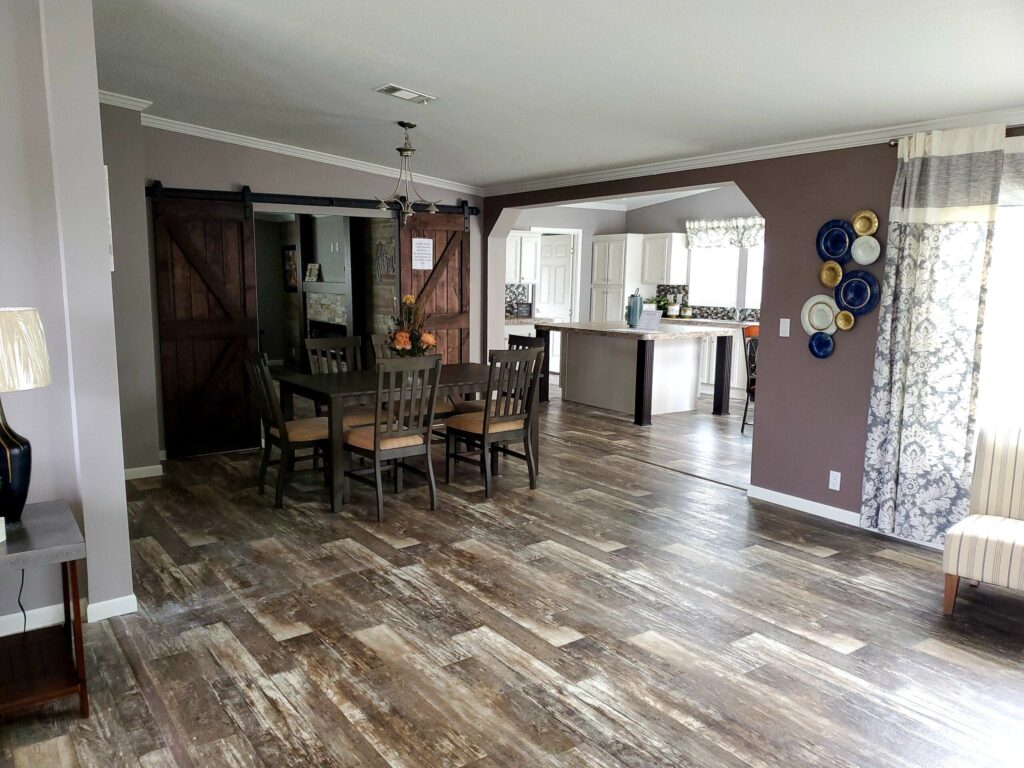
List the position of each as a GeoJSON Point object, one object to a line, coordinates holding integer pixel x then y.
{"type": "Point", "coordinates": [24, 616]}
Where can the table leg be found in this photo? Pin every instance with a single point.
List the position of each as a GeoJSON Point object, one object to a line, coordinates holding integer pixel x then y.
{"type": "Point", "coordinates": [287, 401]}
{"type": "Point", "coordinates": [76, 607]}
{"type": "Point", "coordinates": [723, 375]}
{"type": "Point", "coordinates": [644, 383]}
{"type": "Point", "coordinates": [545, 371]}
{"type": "Point", "coordinates": [67, 599]}
{"type": "Point", "coordinates": [336, 433]}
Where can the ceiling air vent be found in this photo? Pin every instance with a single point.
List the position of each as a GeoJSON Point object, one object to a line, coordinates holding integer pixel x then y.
{"type": "Point", "coordinates": [405, 94]}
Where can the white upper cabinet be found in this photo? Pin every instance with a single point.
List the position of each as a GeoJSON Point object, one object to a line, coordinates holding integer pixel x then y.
{"type": "Point", "coordinates": [616, 260]}
{"type": "Point", "coordinates": [664, 259]}
{"type": "Point", "coordinates": [522, 257]}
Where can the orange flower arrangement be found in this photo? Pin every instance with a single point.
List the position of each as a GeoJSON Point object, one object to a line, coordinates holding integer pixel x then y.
{"type": "Point", "coordinates": [408, 339]}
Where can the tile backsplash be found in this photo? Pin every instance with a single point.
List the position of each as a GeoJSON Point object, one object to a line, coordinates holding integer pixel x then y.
{"type": "Point", "coordinates": [517, 294]}
{"type": "Point", "coordinates": [326, 307]}
{"type": "Point", "coordinates": [683, 291]}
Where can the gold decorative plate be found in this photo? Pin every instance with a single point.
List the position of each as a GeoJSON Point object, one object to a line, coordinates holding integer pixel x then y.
{"type": "Point", "coordinates": [844, 320]}
{"type": "Point", "coordinates": [864, 222]}
{"type": "Point", "coordinates": [830, 274]}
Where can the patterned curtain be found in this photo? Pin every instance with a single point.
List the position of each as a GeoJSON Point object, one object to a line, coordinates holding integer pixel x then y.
{"type": "Point", "coordinates": [921, 418]}
{"type": "Point", "coordinates": [725, 233]}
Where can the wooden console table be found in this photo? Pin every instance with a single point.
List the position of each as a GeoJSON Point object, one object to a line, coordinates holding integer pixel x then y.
{"type": "Point", "coordinates": [47, 663]}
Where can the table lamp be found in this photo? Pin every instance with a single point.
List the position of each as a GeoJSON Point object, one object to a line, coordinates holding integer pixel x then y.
{"type": "Point", "coordinates": [24, 364]}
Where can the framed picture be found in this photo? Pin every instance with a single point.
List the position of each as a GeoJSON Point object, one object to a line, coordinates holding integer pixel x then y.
{"type": "Point", "coordinates": [291, 267]}
{"type": "Point", "coordinates": [313, 272]}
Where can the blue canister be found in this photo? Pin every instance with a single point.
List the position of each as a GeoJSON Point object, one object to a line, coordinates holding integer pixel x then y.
{"type": "Point", "coordinates": [634, 306]}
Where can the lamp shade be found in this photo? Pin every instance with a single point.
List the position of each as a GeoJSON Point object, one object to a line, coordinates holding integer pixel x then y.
{"type": "Point", "coordinates": [24, 363]}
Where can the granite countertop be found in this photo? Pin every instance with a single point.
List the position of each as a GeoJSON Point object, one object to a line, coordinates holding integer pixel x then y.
{"type": "Point", "coordinates": [527, 320]}
{"type": "Point", "coordinates": [709, 321]}
{"type": "Point", "coordinates": [621, 330]}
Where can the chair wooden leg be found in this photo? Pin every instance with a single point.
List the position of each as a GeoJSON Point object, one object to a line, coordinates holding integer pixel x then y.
{"type": "Point", "coordinates": [495, 469]}
{"type": "Point", "coordinates": [346, 487]}
{"type": "Point", "coordinates": [287, 459]}
{"type": "Point", "coordinates": [264, 463]}
{"type": "Point", "coordinates": [450, 446]}
{"type": "Point", "coordinates": [431, 480]}
{"type": "Point", "coordinates": [398, 476]}
{"type": "Point", "coordinates": [949, 599]}
{"type": "Point", "coordinates": [379, 483]}
{"type": "Point", "coordinates": [327, 467]}
{"type": "Point", "coordinates": [531, 464]}
{"type": "Point", "coordinates": [485, 466]}
{"type": "Point", "coordinates": [746, 406]}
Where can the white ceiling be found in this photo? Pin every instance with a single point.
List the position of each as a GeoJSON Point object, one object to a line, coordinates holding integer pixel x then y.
{"type": "Point", "coordinates": [537, 89]}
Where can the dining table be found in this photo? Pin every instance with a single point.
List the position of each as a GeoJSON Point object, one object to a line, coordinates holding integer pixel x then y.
{"type": "Point", "coordinates": [338, 391]}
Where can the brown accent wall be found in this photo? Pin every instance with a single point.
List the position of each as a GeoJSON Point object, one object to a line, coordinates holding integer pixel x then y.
{"type": "Point", "coordinates": [811, 414]}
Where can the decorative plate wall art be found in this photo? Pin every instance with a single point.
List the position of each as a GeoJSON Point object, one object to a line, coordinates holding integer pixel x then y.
{"type": "Point", "coordinates": [854, 293]}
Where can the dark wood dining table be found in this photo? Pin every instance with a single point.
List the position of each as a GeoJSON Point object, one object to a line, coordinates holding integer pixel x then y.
{"type": "Point", "coordinates": [340, 390]}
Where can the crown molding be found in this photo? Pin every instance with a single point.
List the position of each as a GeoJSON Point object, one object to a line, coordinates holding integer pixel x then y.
{"type": "Point", "coordinates": [166, 124]}
{"type": "Point", "coordinates": [125, 102]}
{"type": "Point", "coordinates": [1009, 117]}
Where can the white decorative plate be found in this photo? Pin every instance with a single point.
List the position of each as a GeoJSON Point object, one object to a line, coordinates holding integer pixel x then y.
{"type": "Point", "coordinates": [865, 250]}
{"type": "Point", "coordinates": [819, 315]}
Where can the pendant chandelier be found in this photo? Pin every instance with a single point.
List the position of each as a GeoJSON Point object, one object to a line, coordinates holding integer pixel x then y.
{"type": "Point", "coordinates": [405, 198]}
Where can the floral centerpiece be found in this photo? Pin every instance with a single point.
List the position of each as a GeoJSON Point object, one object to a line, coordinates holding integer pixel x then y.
{"type": "Point", "coordinates": [408, 339]}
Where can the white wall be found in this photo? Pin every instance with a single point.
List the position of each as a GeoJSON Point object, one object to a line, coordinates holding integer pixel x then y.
{"type": "Point", "coordinates": [723, 203]}
{"type": "Point", "coordinates": [54, 257]}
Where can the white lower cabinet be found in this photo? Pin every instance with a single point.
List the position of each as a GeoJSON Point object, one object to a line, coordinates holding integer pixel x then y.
{"type": "Point", "coordinates": [707, 365]}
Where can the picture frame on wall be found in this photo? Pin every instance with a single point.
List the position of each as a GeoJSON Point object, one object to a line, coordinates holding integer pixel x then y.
{"type": "Point", "coordinates": [290, 261]}
{"type": "Point", "coordinates": [313, 272]}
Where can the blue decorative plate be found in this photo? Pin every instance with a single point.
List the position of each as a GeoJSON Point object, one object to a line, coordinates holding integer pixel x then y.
{"type": "Point", "coordinates": [857, 292]}
{"type": "Point", "coordinates": [821, 345]}
{"type": "Point", "coordinates": [834, 240]}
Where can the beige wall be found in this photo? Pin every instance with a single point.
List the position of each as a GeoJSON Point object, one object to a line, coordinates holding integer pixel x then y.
{"type": "Point", "coordinates": [54, 257]}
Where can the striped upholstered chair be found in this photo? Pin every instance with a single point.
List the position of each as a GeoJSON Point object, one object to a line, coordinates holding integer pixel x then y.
{"type": "Point", "coordinates": [988, 545]}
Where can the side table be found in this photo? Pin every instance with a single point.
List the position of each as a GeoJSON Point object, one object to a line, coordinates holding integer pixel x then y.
{"type": "Point", "coordinates": [46, 663]}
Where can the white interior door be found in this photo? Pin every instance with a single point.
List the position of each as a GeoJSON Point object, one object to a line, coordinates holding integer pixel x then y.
{"type": "Point", "coordinates": [555, 287]}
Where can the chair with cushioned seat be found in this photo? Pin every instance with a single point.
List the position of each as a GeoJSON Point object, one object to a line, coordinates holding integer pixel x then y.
{"type": "Point", "coordinates": [514, 342]}
{"type": "Point", "coordinates": [511, 396]}
{"type": "Point", "coordinates": [987, 546]}
{"type": "Point", "coordinates": [406, 394]}
{"type": "Point", "coordinates": [288, 436]}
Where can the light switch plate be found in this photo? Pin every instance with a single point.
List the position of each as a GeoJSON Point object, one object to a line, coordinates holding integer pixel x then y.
{"type": "Point", "coordinates": [834, 480]}
{"type": "Point", "coordinates": [784, 327]}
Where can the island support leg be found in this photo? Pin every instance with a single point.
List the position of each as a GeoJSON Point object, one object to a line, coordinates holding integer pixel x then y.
{"type": "Point", "coordinates": [723, 375]}
{"type": "Point", "coordinates": [545, 366]}
{"type": "Point", "coordinates": [644, 382]}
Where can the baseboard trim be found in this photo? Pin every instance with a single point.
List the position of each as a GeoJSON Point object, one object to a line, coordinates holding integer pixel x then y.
{"type": "Point", "coordinates": [138, 473]}
{"type": "Point", "coordinates": [105, 609]}
{"type": "Point", "coordinates": [45, 616]}
{"type": "Point", "coordinates": [815, 508]}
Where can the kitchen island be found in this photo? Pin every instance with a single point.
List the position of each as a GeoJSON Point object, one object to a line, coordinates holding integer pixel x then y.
{"type": "Point", "coordinates": [646, 373]}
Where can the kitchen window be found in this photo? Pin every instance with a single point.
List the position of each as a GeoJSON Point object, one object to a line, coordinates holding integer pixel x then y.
{"type": "Point", "coordinates": [726, 277]}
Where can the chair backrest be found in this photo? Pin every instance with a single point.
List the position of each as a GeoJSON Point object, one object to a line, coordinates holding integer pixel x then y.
{"type": "Point", "coordinates": [381, 345]}
{"type": "Point", "coordinates": [997, 487]}
{"type": "Point", "coordinates": [335, 354]}
{"type": "Point", "coordinates": [406, 393]}
{"type": "Point", "coordinates": [524, 342]}
{"type": "Point", "coordinates": [752, 331]}
{"type": "Point", "coordinates": [512, 385]}
{"type": "Point", "coordinates": [750, 358]}
{"type": "Point", "coordinates": [267, 400]}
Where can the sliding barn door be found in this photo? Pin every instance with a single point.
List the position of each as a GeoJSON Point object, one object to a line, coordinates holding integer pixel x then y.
{"type": "Point", "coordinates": [444, 287]}
{"type": "Point", "coordinates": [206, 292]}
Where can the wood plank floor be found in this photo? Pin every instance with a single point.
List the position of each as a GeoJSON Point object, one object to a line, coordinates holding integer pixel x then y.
{"type": "Point", "coordinates": [623, 614]}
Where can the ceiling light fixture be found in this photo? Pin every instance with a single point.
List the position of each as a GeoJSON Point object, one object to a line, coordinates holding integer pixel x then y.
{"type": "Point", "coordinates": [405, 201]}
{"type": "Point", "coordinates": [406, 94]}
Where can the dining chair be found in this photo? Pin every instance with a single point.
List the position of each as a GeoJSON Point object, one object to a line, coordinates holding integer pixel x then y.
{"type": "Point", "coordinates": [750, 345]}
{"type": "Point", "coordinates": [406, 393]}
{"type": "Point", "coordinates": [336, 354]}
{"type": "Point", "coordinates": [514, 342]}
{"type": "Point", "coordinates": [379, 344]}
{"type": "Point", "coordinates": [288, 436]}
{"type": "Point", "coordinates": [511, 398]}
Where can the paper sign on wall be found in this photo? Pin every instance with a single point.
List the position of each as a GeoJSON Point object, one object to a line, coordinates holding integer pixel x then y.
{"type": "Point", "coordinates": [422, 253]}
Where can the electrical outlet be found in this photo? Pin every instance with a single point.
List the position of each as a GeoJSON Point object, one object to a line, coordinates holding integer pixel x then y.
{"type": "Point", "coordinates": [834, 479]}
{"type": "Point", "coordinates": [784, 327]}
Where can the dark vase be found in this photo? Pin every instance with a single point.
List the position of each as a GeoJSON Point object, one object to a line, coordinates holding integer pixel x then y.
{"type": "Point", "coordinates": [15, 469]}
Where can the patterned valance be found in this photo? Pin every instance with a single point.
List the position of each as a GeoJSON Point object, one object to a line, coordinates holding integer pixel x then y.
{"type": "Point", "coordinates": [725, 233]}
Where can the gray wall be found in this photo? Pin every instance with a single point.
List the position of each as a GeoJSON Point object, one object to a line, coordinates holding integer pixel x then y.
{"type": "Point", "coordinates": [591, 220]}
{"type": "Point", "coordinates": [55, 257]}
{"type": "Point", "coordinates": [723, 203]}
{"type": "Point", "coordinates": [269, 289]}
{"type": "Point", "coordinates": [134, 288]}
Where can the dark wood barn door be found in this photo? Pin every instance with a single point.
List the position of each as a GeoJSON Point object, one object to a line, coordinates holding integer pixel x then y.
{"type": "Point", "coordinates": [444, 290]}
{"type": "Point", "coordinates": [206, 296]}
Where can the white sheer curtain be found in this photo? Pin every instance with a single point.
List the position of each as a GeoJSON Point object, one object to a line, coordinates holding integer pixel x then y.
{"type": "Point", "coordinates": [1000, 391]}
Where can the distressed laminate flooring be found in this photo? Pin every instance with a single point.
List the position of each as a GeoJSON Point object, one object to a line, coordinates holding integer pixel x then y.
{"type": "Point", "coordinates": [624, 614]}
